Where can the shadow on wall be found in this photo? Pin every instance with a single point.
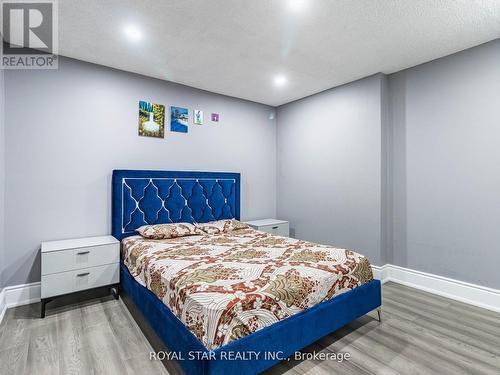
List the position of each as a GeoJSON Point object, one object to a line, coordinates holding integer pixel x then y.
{"type": "Point", "coordinates": [34, 269]}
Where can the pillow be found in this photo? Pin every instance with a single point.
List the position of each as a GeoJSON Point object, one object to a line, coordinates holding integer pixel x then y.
{"type": "Point", "coordinates": [163, 231]}
{"type": "Point", "coordinates": [221, 226]}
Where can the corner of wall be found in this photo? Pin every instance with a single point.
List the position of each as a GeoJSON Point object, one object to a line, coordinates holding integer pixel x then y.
{"type": "Point", "coordinates": [386, 219]}
{"type": "Point", "coordinates": [275, 122]}
{"type": "Point", "coordinates": [396, 107]}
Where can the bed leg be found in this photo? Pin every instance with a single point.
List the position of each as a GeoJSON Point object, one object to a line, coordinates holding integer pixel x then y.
{"type": "Point", "coordinates": [379, 313]}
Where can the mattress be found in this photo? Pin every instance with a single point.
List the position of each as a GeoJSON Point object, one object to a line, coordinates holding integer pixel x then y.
{"type": "Point", "coordinates": [226, 286]}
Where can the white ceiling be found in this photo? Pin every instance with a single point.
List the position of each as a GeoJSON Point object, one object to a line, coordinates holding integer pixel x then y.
{"type": "Point", "coordinates": [237, 47]}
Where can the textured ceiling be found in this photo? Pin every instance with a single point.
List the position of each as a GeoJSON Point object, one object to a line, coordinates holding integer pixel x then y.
{"type": "Point", "coordinates": [236, 47]}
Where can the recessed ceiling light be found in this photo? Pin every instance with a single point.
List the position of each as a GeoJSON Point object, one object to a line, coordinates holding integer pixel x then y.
{"type": "Point", "coordinates": [280, 80]}
{"type": "Point", "coordinates": [133, 33]}
{"type": "Point", "coordinates": [297, 5]}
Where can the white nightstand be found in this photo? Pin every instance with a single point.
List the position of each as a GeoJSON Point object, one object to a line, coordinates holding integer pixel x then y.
{"type": "Point", "coordinates": [273, 226]}
{"type": "Point", "coordinates": [70, 266]}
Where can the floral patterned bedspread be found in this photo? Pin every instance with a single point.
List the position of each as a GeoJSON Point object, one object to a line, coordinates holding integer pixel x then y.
{"type": "Point", "coordinates": [226, 286]}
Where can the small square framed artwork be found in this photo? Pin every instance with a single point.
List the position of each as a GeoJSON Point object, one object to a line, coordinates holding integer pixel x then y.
{"type": "Point", "coordinates": [215, 117]}
{"type": "Point", "coordinates": [198, 117]}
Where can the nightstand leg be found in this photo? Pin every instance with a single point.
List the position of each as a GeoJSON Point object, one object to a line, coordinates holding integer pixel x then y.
{"type": "Point", "coordinates": [44, 301]}
{"type": "Point", "coordinates": [116, 291]}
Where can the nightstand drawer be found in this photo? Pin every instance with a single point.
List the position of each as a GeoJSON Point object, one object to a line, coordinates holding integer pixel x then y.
{"type": "Point", "coordinates": [74, 259]}
{"type": "Point", "coordinates": [73, 281]}
{"type": "Point", "coordinates": [273, 226]}
{"type": "Point", "coordinates": [277, 229]}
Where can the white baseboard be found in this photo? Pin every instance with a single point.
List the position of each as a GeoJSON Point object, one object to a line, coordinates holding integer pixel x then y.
{"type": "Point", "coordinates": [379, 273]}
{"type": "Point", "coordinates": [23, 294]}
{"type": "Point", "coordinates": [3, 305]}
{"type": "Point", "coordinates": [18, 295]}
{"type": "Point", "coordinates": [472, 294]}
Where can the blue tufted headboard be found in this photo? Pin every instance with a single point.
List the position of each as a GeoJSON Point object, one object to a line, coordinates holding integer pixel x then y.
{"type": "Point", "coordinates": [155, 197]}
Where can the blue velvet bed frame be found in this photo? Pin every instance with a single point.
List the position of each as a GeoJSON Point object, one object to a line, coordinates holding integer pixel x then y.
{"type": "Point", "coordinates": [150, 197]}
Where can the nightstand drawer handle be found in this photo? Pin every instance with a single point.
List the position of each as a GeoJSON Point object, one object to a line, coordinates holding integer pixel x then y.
{"type": "Point", "coordinates": [276, 227]}
{"type": "Point", "coordinates": [83, 274]}
{"type": "Point", "coordinates": [83, 252]}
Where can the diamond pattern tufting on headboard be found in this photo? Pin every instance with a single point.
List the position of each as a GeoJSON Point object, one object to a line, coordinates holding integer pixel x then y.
{"type": "Point", "coordinates": [156, 197]}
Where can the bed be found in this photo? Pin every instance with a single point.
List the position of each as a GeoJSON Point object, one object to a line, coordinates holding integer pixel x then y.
{"type": "Point", "coordinates": [235, 302]}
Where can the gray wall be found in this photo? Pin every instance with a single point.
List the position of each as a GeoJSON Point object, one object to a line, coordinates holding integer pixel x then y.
{"type": "Point", "coordinates": [329, 166]}
{"type": "Point", "coordinates": [66, 130]}
{"type": "Point", "coordinates": [446, 129]}
{"type": "Point", "coordinates": [2, 179]}
{"type": "Point", "coordinates": [400, 168]}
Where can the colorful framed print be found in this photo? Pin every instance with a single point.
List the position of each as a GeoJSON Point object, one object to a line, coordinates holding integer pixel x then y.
{"type": "Point", "coordinates": [215, 117]}
{"type": "Point", "coordinates": [179, 119]}
{"type": "Point", "coordinates": [151, 119]}
{"type": "Point", "coordinates": [198, 117]}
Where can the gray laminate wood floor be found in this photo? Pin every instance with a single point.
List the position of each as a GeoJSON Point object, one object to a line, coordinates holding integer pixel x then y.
{"type": "Point", "coordinates": [420, 334]}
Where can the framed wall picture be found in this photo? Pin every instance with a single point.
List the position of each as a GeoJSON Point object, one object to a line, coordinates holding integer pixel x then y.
{"type": "Point", "coordinates": [151, 119]}
{"type": "Point", "coordinates": [215, 117]}
{"type": "Point", "coordinates": [179, 119]}
{"type": "Point", "coordinates": [198, 117]}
